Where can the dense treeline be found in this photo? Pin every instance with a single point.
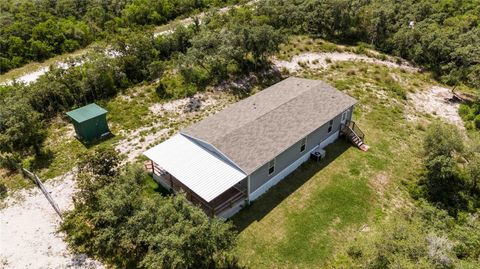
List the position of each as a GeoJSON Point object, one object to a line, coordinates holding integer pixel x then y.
{"type": "Point", "coordinates": [116, 220]}
{"type": "Point", "coordinates": [187, 60]}
{"type": "Point", "coordinates": [440, 35]}
{"type": "Point", "coordinates": [34, 31]}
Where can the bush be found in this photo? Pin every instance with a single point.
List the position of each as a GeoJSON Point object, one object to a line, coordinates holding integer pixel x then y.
{"type": "Point", "coordinates": [9, 161]}
{"type": "Point", "coordinates": [477, 122]}
{"type": "Point", "coordinates": [3, 191]}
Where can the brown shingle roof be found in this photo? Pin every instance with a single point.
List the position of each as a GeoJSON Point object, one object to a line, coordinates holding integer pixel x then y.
{"type": "Point", "coordinates": [255, 130]}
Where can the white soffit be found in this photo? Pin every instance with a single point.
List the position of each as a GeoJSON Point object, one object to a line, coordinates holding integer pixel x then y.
{"type": "Point", "coordinates": [197, 168]}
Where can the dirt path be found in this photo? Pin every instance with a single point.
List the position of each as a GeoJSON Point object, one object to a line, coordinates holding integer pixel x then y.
{"type": "Point", "coordinates": [28, 229]}
{"type": "Point", "coordinates": [320, 60]}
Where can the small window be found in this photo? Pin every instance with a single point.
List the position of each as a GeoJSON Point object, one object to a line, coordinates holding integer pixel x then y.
{"type": "Point", "coordinates": [303, 144]}
{"type": "Point", "coordinates": [271, 167]}
{"type": "Point", "coordinates": [344, 115]}
{"type": "Point", "coordinates": [330, 126]}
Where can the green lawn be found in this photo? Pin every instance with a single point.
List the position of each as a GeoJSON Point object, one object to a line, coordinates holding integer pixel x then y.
{"type": "Point", "coordinates": [305, 220]}
{"type": "Point", "coordinates": [297, 221]}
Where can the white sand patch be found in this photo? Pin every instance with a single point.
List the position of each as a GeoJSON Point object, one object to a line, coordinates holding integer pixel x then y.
{"type": "Point", "coordinates": [436, 101]}
{"type": "Point", "coordinates": [28, 78]}
{"type": "Point", "coordinates": [199, 101]}
{"type": "Point", "coordinates": [137, 144]}
{"type": "Point", "coordinates": [35, 75]}
{"type": "Point", "coordinates": [190, 20]}
{"type": "Point", "coordinates": [28, 229]}
{"type": "Point", "coordinates": [139, 140]}
{"type": "Point", "coordinates": [320, 60]}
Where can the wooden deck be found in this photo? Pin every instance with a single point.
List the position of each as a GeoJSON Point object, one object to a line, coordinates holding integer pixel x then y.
{"type": "Point", "coordinates": [221, 203]}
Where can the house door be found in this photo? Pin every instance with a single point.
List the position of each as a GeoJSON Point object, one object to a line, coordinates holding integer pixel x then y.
{"type": "Point", "coordinates": [345, 116]}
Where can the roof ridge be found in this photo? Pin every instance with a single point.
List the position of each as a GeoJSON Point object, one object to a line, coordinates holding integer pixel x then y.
{"type": "Point", "coordinates": [271, 111]}
{"type": "Point", "coordinates": [318, 87]}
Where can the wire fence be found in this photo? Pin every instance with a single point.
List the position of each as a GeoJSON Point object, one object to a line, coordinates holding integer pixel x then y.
{"type": "Point", "coordinates": [39, 183]}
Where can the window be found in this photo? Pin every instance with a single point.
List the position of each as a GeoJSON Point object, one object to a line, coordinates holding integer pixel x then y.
{"type": "Point", "coordinates": [344, 115]}
{"type": "Point", "coordinates": [330, 126]}
{"type": "Point", "coordinates": [303, 144]}
{"type": "Point", "coordinates": [271, 167]}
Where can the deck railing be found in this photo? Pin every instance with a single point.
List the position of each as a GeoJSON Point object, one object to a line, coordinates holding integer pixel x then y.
{"type": "Point", "coordinates": [229, 203]}
{"type": "Point", "coordinates": [176, 186]}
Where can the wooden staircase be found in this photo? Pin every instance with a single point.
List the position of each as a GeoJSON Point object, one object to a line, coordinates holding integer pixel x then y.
{"type": "Point", "coordinates": [351, 132]}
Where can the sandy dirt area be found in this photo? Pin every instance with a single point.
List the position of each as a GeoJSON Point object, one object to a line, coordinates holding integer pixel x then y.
{"type": "Point", "coordinates": [28, 229]}
{"type": "Point", "coordinates": [435, 101]}
{"type": "Point", "coordinates": [320, 60]}
{"type": "Point", "coordinates": [143, 138]}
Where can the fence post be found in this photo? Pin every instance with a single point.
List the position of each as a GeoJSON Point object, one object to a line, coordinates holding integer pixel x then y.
{"type": "Point", "coordinates": [44, 190]}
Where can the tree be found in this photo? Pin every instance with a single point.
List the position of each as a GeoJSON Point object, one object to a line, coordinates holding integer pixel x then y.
{"type": "Point", "coordinates": [442, 140]}
{"type": "Point", "coordinates": [21, 127]}
{"type": "Point", "coordinates": [446, 183]}
{"type": "Point", "coordinates": [128, 228]}
{"type": "Point", "coordinates": [263, 41]}
{"type": "Point", "coordinates": [103, 161]}
{"type": "Point", "coordinates": [473, 172]}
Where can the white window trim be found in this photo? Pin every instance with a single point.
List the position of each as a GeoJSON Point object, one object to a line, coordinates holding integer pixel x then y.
{"type": "Point", "coordinates": [344, 115]}
{"type": "Point", "coordinates": [303, 144]}
{"type": "Point", "coordinates": [274, 163]}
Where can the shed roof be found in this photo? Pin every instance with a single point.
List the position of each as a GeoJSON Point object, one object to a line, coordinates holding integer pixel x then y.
{"type": "Point", "coordinates": [202, 171]}
{"type": "Point", "coordinates": [85, 113]}
{"type": "Point", "coordinates": [257, 129]}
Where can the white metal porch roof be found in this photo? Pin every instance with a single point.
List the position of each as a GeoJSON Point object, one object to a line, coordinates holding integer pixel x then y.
{"type": "Point", "coordinates": [199, 169]}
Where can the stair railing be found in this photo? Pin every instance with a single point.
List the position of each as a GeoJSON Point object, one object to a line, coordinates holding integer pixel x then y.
{"type": "Point", "coordinates": [354, 127]}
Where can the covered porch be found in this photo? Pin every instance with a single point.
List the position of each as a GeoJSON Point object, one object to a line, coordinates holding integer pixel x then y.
{"type": "Point", "coordinates": [211, 183]}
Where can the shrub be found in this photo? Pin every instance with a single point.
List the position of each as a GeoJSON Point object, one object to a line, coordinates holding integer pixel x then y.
{"type": "Point", "coordinates": [3, 191]}
{"type": "Point", "coordinates": [9, 161]}
{"type": "Point", "coordinates": [477, 121]}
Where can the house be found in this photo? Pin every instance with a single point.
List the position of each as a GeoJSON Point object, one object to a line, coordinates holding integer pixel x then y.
{"type": "Point", "coordinates": [232, 157]}
{"type": "Point", "coordinates": [90, 122]}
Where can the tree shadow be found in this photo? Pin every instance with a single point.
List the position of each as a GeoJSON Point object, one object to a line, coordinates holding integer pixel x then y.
{"type": "Point", "coordinates": [275, 195]}
{"type": "Point", "coordinates": [42, 160]}
{"type": "Point", "coordinates": [89, 144]}
{"type": "Point", "coordinates": [154, 187]}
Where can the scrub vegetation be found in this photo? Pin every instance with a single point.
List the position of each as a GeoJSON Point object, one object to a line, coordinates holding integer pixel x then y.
{"type": "Point", "coordinates": [410, 201]}
{"type": "Point", "coordinates": [35, 31]}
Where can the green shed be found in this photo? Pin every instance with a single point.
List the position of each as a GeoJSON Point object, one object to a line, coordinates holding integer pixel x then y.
{"type": "Point", "coordinates": [90, 122]}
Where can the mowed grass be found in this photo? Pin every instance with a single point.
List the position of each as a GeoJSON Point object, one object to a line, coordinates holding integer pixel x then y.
{"type": "Point", "coordinates": [305, 220]}
{"type": "Point", "coordinates": [298, 222]}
